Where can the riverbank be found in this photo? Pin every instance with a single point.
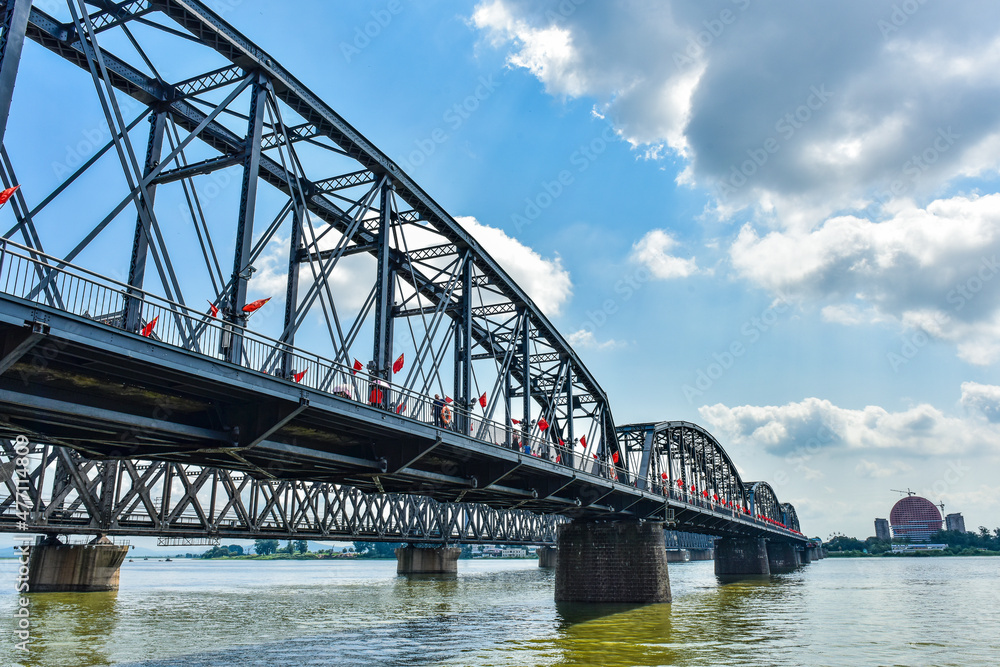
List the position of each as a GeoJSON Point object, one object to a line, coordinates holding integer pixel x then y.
{"type": "Point", "coordinates": [912, 554]}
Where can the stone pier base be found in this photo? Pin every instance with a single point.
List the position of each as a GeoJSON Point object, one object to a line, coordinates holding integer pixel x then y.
{"type": "Point", "coordinates": [678, 556]}
{"type": "Point", "coordinates": [55, 567]}
{"type": "Point", "coordinates": [548, 557]}
{"type": "Point", "coordinates": [414, 560]}
{"type": "Point", "coordinates": [781, 557]}
{"type": "Point", "coordinates": [806, 555]}
{"type": "Point", "coordinates": [743, 556]}
{"type": "Point", "coordinates": [619, 561]}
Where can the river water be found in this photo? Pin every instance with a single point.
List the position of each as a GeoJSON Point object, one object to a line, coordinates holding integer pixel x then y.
{"type": "Point", "coordinates": [885, 611]}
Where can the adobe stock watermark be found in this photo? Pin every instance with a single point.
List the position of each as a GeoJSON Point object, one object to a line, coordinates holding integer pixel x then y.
{"type": "Point", "coordinates": [899, 17]}
{"type": "Point", "coordinates": [712, 30]}
{"type": "Point", "coordinates": [723, 361]}
{"type": "Point", "coordinates": [803, 454]}
{"type": "Point", "coordinates": [22, 509]}
{"type": "Point", "coordinates": [364, 34]}
{"type": "Point", "coordinates": [786, 127]}
{"type": "Point", "coordinates": [549, 191]}
{"type": "Point", "coordinates": [453, 118]}
{"type": "Point", "coordinates": [960, 296]}
{"type": "Point", "coordinates": [913, 169]}
{"type": "Point", "coordinates": [91, 140]}
{"type": "Point", "coordinates": [625, 287]}
{"type": "Point", "coordinates": [949, 479]}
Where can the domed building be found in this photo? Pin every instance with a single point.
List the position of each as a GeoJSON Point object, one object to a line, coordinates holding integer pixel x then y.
{"type": "Point", "coordinates": [914, 519]}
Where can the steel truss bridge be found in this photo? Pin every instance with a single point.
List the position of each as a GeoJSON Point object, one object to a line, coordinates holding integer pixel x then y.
{"type": "Point", "coordinates": [64, 493]}
{"type": "Point", "coordinates": [131, 276]}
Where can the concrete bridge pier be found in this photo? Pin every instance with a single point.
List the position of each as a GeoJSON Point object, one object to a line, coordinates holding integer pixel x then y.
{"type": "Point", "coordinates": [806, 555]}
{"type": "Point", "coordinates": [702, 554]}
{"type": "Point", "coordinates": [678, 556]}
{"type": "Point", "coordinates": [548, 557]}
{"type": "Point", "coordinates": [741, 556]}
{"type": "Point", "coordinates": [612, 561]}
{"type": "Point", "coordinates": [54, 567]}
{"type": "Point", "coordinates": [435, 560]}
{"type": "Point", "coordinates": [781, 557]}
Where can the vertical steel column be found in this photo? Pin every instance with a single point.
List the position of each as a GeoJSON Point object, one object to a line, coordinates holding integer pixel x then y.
{"type": "Point", "coordinates": [292, 290]}
{"type": "Point", "coordinates": [15, 22]}
{"type": "Point", "coordinates": [140, 241]}
{"type": "Point", "coordinates": [244, 225]}
{"type": "Point", "coordinates": [463, 351]}
{"type": "Point", "coordinates": [106, 501]}
{"type": "Point", "coordinates": [683, 471]}
{"type": "Point", "coordinates": [570, 437]}
{"type": "Point", "coordinates": [384, 294]}
{"type": "Point", "coordinates": [526, 371]}
{"type": "Point", "coordinates": [507, 391]}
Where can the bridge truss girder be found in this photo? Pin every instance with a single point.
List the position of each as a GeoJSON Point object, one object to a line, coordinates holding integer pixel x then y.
{"type": "Point", "coordinates": [340, 206]}
{"type": "Point", "coordinates": [65, 493]}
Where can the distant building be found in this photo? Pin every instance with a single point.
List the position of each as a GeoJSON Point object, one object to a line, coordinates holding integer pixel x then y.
{"type": "Point", "coordinates": [514, 552]}
{"type": "Point", "coordinates": [882, 530]}
{"type": "Point", "coordinates": [914, 519]}
{"type": "Point", "coordinates": [955, 522]}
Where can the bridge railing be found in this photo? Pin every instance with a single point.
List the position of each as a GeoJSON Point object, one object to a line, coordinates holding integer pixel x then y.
{"type": "Point", "coordinates": [38, 277]}
{"type": "Point", "coordinates": [41, 278]}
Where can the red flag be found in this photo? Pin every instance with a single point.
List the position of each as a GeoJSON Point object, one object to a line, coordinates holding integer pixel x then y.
{"type": "Point", "coordinates": [561, 442]}
{"type": "Point", "coordinates": [400, 408]}
{"type": "Point", "coordinates": [6, 194]}
{"type": "Point", "coordinates": [595, 455]}
{"type": "Point", "coordinates": [680, 483]}
{"type": "Point", "coordinates": [542, 424]}
{"type": "Point", "coordinates": [298, 376]}
{"type": "Point", "coordinates": [214, 308]}
{"type": "Point", "coordinates": [255, 306]}
{"type": "Point", "coordinates": [705, 493]}
{"type": "Point", "coordinates": [663, 475]}
{"type": "Point", "coordinates": [583, 440]}
{"type": "Point", "coordinates": [614, 457]}
{"type": "Point", "coordinates": [715, 497]}
{"type": "Point", "coordinates": [397, 365]}
{"type": "Point", "coordinates": [515, 421]}
{"type": "Point", "coordinates": [148, 329]}
{"type": "Point", "coordinates": [357, 367]}
{"type": "Point", "coordinates": [482, 400]}
{"type": "Point", "coordinates": [447, 399]}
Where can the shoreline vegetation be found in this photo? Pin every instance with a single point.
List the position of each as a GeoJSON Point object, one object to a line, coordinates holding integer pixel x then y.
{"type": "Point", "coordinates": [957, 543]}
{"type": "Point", "coordinates": [299, 550]}
{"type": "Point", "coordinates": [944, 553]}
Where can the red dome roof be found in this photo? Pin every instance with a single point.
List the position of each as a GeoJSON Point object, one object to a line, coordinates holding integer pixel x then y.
{"type": "Point", "coordinates": [915, 518]}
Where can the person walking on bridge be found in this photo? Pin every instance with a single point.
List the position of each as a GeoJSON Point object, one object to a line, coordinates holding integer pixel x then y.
{"type": "Point", "coordinates": [438, 406]}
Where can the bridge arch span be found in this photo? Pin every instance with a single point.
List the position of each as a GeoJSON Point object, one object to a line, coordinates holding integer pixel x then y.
{"type": "Point", "coordinates": [683, 457]}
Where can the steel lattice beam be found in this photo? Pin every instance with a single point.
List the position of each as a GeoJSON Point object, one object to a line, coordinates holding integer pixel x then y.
{"type": "Point", "coordinates": [64, 493]}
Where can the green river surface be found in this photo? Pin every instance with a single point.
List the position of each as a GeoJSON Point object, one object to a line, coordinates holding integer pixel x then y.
{"type": "Point", "coordinates": [879, 611]}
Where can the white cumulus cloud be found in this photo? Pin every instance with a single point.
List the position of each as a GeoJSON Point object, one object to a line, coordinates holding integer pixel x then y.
{"type": "Point", "coordinates": [814, 425]}
{"type": "Point", "coordinates": [544, 279]}
{"type": "Point", "coordinates": [653, 252]}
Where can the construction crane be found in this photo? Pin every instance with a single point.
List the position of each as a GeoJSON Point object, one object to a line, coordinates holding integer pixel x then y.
{"type": "Point", "coordinates": [905, 493]}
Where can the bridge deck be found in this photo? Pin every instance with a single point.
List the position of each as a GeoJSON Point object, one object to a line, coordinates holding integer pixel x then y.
{"type": "Point", "coordinates": [111, 393]}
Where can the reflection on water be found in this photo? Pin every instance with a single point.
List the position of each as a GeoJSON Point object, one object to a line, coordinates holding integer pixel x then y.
{"type": "Point", "coordinates": [836, 612]}
{"type": "Point", "coordinates": [75, 627]}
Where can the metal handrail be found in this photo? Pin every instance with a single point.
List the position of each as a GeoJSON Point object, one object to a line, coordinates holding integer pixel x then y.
{"type": "Point", "coordinates": [29, 274]}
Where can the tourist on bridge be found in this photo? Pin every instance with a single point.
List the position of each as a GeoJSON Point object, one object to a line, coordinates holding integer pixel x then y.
{"type": "Point", "coordinates": [438, 406]}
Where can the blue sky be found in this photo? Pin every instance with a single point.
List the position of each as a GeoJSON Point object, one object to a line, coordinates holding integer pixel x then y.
{"type": "Point", "coordinates": [780, 221]}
